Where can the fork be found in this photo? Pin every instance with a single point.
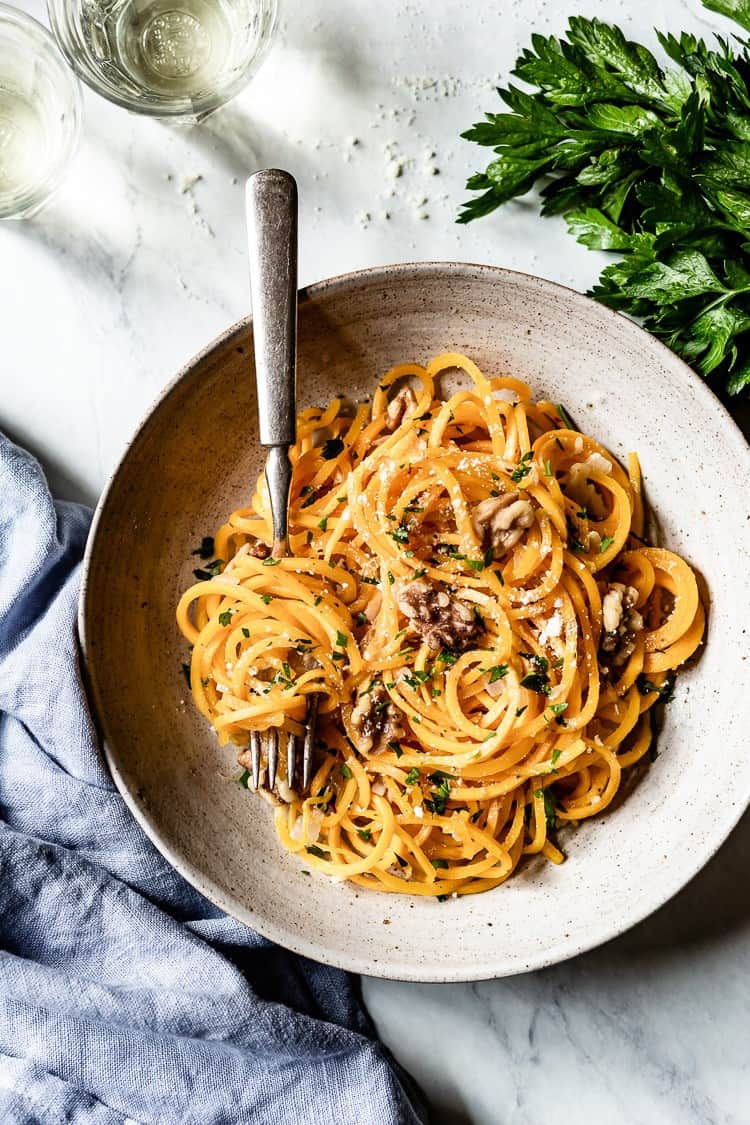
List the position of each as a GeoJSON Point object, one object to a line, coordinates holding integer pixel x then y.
{"type": "Point", "coordinates": [271, 206]}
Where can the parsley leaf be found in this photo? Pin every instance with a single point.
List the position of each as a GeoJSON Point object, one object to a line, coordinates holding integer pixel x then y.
{"type": "Point", "coordinates": [647, 162]}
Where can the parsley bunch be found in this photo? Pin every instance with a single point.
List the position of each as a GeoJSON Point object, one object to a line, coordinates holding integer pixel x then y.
{"type": "Point", "coordinates": [650, 162]}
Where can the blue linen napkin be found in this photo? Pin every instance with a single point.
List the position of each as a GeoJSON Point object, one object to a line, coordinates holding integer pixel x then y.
{"type": "Point", "coordinates": [124, 995]}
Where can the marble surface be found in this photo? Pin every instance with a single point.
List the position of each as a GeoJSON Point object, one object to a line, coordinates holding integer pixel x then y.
{"type": "Point", "coordinates": [140, 261]}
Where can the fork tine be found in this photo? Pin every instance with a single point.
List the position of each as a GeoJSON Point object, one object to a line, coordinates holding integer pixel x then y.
{"type": "Point", "coordinates": [291, 759]}
{"type": "Point", "coordinates": [272, 749]}
{"type": "Point", "coordinates": [307, 750]}
{"type": "Point", "coordinates": [255, 756]}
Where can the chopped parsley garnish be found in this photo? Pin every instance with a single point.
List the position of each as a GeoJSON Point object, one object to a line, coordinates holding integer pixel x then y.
{"type": "Point", "coordinates": [548, 468]}
{"type": "Point", "coordinates": [206, 548]}
{"type": "Point", "coordinates": [412, 776]}
{"type": "Point", "coordinates": [341, 639]}
{"type": "Point", "coordinates": [244, 778]}
{"type": "Point", "coordinates": [346, 771]}
{"type": "Point", "coordinates": [310, 496]}
{"type": "Point", "coordinates": [523, 467]}
{"type": "Point", "coordinates": [369, 581]}
{"type": "Point", "coordinates": [448, 658]}
{"type": "Point", "coordinates": [391, 579]}
{"type": "Point", "coordinates": [498, 672]}
{"type": "Point", "coordinates": [323, 523]}
{"type": "Point", "coordinates": [271, 562]}
{"type": "Point", "coordinates": [338, 656]}
{"type": "Point", "coordinates": [606, 542]}
{"type": "Point", "coordinates": [550, 806]}
{"type": "Point", "coordinates": [558, 708]}
{"type": "Point", "coordinates": [318, 599]}
{"type": "Point", "coordinates": [436, 803]}
{"type": "Point", "coordinates": [439, 863]}
{"type": "Point", "coordinates": [479, 619]}
{"type": "Point", "coordinates": [666, 691]}
{"type": "Point", "coordinates": [394, 746]}
{"type": "Point", "coordinates": [555, 756]}
{"type": "Point", "coordinates": [489, 557]}
{"type": "Point", "coordinates": [400, 535]}
{"type": "Point", "coordinates": [567, 420]}
{"type": "Point", "coordinates": [537, 680]}
{"type": "Point", "coordinates": [573, 541]}
{"type": "Point", "coordinates": [266, 599]}
{"type": "Point", "coordinates": [332, 448]}
{"type": "Point", "coordinates": [211, 571]}
{"type": "Point", "coordinates": [225, 618]}
{"type": "Point", "coordinates": [360, 618]}
{"type": "Point", "coordinates": [419, 573]}
{"type": "Point", "coordinates": [313, 849]}
{"type": "Point", "coordinates": [245, 631]}
{"type": "Point", "coordinates": [364, 833]}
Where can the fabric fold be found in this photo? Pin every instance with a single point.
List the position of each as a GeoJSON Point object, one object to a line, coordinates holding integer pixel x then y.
{"type": "Point", "coordinates": [124, 994]}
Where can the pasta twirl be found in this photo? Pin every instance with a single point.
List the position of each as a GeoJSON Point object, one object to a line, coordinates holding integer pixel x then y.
{"type": "Point", "coordinates": [471, 598]}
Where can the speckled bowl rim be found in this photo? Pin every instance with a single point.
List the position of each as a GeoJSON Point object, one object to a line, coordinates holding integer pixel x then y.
{"type": "Point", "coordinates": [682, 873]}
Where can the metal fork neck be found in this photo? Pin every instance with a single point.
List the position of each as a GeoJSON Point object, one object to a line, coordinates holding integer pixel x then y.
{"type": "Point", "coordinates": [279, 481]}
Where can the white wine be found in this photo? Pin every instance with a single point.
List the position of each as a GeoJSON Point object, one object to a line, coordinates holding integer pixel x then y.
{"type": "Point", "coordinates": [40, 115]}
{"type": "Point", "coordinates": [167, 58]}
{"type": "Point", "coordinates": [24, 149]}
{"type": "Point", "coordinates": [172, 48]}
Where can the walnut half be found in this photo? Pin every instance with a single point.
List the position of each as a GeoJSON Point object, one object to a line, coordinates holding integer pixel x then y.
{"type": "Point", "coordinates": [441, 621]}
{"type": "Point", "coordinates": [376, 720]}
{"type": "Point", "coordinates": [621, 622]}
{"type": "Point", "coordinates": [500, 521]}
{"type": "Point", "coordinates": [400, 407]}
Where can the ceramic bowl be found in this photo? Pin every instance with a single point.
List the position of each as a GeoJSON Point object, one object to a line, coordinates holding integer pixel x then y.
{"type": "Point", "coordinates": [196, 457]}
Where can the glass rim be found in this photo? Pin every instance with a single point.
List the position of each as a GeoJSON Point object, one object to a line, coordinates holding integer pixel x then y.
{"type": "Point", "coordinates": [185, 111]}
{"type": "Point", "coordinates": [27, 201]}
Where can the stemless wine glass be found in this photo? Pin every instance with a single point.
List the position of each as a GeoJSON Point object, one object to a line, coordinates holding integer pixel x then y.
{"type": "Point", "coordinates": [166, 58]}
{"type": "Point", "coordinates": [40, 114]}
